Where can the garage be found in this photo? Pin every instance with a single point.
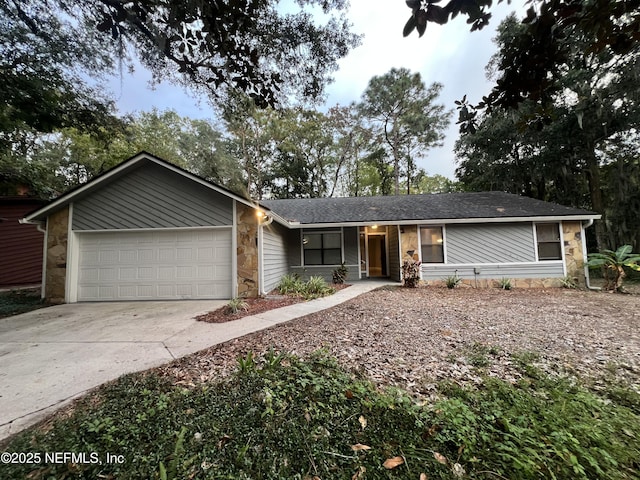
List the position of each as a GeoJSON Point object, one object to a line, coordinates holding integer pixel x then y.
{"type": "Point", "coordinates": [155, 265]}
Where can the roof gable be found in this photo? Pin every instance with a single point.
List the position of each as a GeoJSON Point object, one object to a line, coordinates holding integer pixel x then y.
{"type": "Point", "coordinates": [120, 170]}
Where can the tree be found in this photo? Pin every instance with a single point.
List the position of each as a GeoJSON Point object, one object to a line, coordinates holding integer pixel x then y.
{"type": "Point", "coordinates": [251, 141]}
{"type": "Point", "coordinates": [253, 46]}
{"type": "Point", "coordinates": [559, 157]}
{"type": "Point", "coordinates": [44, 62]}
{"type": "Point", "coordinates": [402, 111]}
{"type": "Point", "coordinates": [305, 161]}
{"type": "Point", "coordinates": [433, 183]}
{"type": "Point", "coordinates": [541, 48]}
{"type": "Point", "coordinates": [72, 157]}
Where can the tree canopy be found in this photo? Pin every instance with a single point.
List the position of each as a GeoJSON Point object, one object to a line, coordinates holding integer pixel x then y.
{"type": "Point", "coordinates": [540, 50]}
{"type": "Point", "coordinates": [407, 121]}
{"type": "Point", "coordinates": [583, 153]}
{"type": "Point", "coordinates": [259, 47]}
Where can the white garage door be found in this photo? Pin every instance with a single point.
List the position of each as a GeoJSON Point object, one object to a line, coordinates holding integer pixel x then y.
{"type": "Point", "coordinates": [155, 265]}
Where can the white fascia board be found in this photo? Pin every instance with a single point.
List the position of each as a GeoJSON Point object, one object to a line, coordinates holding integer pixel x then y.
{"type": "Point", "coordinates": [67, 198]}
{"type": "Point", "coordinates": [446, 221]}
{"type": "Point", "coordinates": [277, 218]}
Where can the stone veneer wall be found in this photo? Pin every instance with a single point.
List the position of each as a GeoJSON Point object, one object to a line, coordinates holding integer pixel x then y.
{"type": "Point", "coordinates": [56, 271]}
{"type": "Point", "coordinates": [409, 241]}
{"type": "Point", "coordinates": [573, 252]}
{"type": "Point", "coordinates": [247, 251]}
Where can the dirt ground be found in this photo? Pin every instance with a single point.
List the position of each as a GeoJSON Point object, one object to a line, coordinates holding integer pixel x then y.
{"type": "Point", "coordinates": [412, 338]}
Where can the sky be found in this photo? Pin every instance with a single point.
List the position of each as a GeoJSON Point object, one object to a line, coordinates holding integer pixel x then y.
{"type": "Point", "coordinates": [449, 54]}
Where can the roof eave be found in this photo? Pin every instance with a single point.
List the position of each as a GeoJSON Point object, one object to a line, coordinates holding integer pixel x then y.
{"type": "Point", "coordinates": [441, 221]}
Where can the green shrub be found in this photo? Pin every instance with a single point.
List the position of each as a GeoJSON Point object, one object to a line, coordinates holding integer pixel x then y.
{"type": "Point", "coordinates": [290, 284]}
{"type": "Point", "coordinates": [236, 304]}
{"type": "Point", "coordinates": [340, 274]}
{"type": "Point", "coordinates": [569, 282]}
{"type": "Point", "coordinates": [316, 287]}
{"type": "Point", "coordinates": [505, 283]}
{"type": "Point", "coordinates": [452, 281]}
{"type": "Point", "coordinates": [613, 264]}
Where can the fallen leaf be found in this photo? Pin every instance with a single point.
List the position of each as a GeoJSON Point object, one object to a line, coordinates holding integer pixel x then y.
{"type": "Point", "coordinates": [440, 458]}
{"type": "Point", "coordinates": [423, 476]}
{"type": "Point", "coordinates": [359, 474]}
{"type": "Point", "coordinates": [458, 470]}
{"type": "Point", "coordinates": [390, 463]}
{"type": "Point", "coordinates": [358, 446]}
{"type": "Point", "coordinates": [348, 394]}
{"type": "Point", "coordinates": [363, 422]}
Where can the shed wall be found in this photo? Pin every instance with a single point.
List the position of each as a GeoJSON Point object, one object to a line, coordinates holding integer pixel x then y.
{"type": "Point", "coordinates": [20, 245]}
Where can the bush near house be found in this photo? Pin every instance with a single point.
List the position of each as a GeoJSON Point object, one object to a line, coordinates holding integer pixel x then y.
{"type": "Point", "coordinates": [613, 264]}
{"type": "Point", "coordinates": [315, 287]}
{"type": "Point", "coordinates": [411, 273]}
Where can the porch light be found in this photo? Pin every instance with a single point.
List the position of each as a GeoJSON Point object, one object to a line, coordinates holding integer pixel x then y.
{"type": "Point", "coordinates": [374, 227]}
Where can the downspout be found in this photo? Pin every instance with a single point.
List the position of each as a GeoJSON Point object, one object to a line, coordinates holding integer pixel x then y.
{"type": "Point", "coordinates": [584, 250]}
{"type": "Point", "coordinates": [267, 221]}
{"type": "Point", "coordinates": [42, 228]}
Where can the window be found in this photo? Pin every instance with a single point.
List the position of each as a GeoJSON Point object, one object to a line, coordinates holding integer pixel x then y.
{"type": "Point", "coordinates": [432, 245]}
{"type": "Point", "coordinates": [322, 248]}
{"type": "Point", "coordinates": [549, 245]}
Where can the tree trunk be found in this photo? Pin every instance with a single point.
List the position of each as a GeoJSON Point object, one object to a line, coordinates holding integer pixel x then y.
{"type": "Point", "coordinates": [595, 193]}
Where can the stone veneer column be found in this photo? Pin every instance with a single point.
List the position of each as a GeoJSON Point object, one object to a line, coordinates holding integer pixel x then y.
{"type": "Point", "coordinates": [56, 268]}
{"type": "Point", "coordinates": [247, 251]}
{"type": "Point", "coordinates": [409, 241]}
{"type": "Point", "coordinates": [573, 252]}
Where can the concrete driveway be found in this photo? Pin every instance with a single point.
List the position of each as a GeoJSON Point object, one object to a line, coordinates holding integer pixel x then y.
{"type": "Point", "coordinates": [52, 355]}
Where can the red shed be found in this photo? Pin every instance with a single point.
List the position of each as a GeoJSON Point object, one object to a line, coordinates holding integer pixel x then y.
{"type": "Point", "coordinates": [21, 246]}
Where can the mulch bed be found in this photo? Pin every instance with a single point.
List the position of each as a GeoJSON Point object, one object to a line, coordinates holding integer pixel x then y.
{"type": "Point", "coordinates": [256, 306]}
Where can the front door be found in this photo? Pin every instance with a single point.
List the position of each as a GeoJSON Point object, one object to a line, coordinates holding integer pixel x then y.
{"type": "Point", "coordinates": [377, 255]}
{"type": "Point", "coordinates": [374, 261]}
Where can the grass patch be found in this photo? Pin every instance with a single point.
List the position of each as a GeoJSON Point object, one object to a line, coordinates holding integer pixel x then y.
{"type": "Point", "coordinates": [480, 356]}
{"type": "Point", "coordinates": [15, 302]}
{"type": "Point", "coordinates": [280, 417]}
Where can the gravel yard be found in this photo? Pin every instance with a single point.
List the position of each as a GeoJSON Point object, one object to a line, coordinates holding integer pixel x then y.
{"type": "Point", "coordinates": [412, 338]}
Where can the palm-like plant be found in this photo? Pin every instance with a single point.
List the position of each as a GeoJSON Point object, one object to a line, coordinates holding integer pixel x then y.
{"type": "Point", "coordinates": [613, 264]}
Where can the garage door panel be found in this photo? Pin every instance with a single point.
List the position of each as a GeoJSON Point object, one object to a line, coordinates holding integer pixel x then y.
{"type": "Point", "coordinates": [148, 265]}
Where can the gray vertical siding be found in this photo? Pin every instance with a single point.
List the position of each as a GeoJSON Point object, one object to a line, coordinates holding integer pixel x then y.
{"type": "Point", "coordinates": [152, 197]}
{"type": "Point", "coordinates": [394, 253]}
{"type": "Point", "coordinates": [350, 239]}
{"type": "Point", "coordinates": [492, 243]}
{"type": "Point", "coordinates": [294, 247]}
{"type": "Point", "coordinates": [274, 250]}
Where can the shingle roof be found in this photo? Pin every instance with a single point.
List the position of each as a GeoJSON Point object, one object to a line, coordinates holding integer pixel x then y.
{"type": "Point", "coordinates": [443, 206]}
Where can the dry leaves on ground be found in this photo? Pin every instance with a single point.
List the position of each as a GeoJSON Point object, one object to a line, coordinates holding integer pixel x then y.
{"type": "Point", "coordinates": [413, 338]}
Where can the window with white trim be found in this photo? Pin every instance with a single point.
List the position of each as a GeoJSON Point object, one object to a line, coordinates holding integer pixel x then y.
{"type": "Point", "coordinates": [322, 248]}
{"type": "Point", "coordinates": [432, 244]}
{"type": "Point", "coordinates": [549, 241]}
